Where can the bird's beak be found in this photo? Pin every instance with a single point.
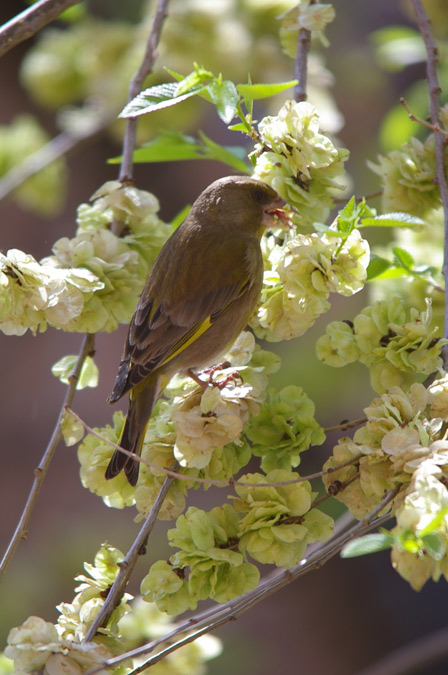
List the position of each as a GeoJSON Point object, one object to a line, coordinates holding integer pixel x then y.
{"type": "Point", "coordinates": [278, 214]}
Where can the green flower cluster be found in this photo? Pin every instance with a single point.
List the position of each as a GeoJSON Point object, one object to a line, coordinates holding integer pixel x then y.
{"type": "Point", "coordinates": [313, 17]}
{"type": "Point", "coordinates": [393, 348]}
{"type": "Point", "coordinates": [77, 616]}
{"type": "Point", "coordinates": [299, 162]}
{"type": "Point", "coordinates": [300, 277]}
{"type": "Point", "coordinates": [277, 523]}
{"type": "Point", "coordinates": [92, 282]}
{"type": "Point", "coordinates": [38, 645]}
{"type": "Point", "coordinates": [67, 66]}
{"type": "Point", "coordinates": [208, 544]}
{"type": "Point", "coordinates": [275, 528]}
{"type": "Point", "coordinates": [202, 430]}
{"type": "Point", "coordinates": [44, 192]}
{"type": "Point", "coordinates": [408, 175]}
{"type": "Point", "coordinates": [145, 622]}
{"type": "Point", "coordinates": [283, 429]}
{"type": "Point", "coordinates": [403, 442]}
{"type": "Point", "coordinates": [424, 246]}
{"type": "Point", "coordinates": [422, 522]}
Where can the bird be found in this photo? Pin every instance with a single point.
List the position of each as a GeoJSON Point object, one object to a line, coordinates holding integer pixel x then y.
{"type": "Point", "coordinates": [203, 287]}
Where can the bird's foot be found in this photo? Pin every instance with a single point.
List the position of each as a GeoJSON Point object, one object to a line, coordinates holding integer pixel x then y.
{"type": "Point", "coordinates": [232, 377]}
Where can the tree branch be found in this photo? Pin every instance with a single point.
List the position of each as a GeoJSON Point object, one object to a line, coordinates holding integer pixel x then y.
{"type": "Point", "coordinates": [41, 471]}
{"type": "Point", "coordinates": [30, 21]}
{"type": "Point", "coordinates": [212, 481]}
{"type": "Point", "coordinates": [215, 617]}
{"type": "Point", "coordinates": [301, 62]}
{"type": "Point", "coordinates": [127, 566]}
{"type": "Point", "coordinates": [135, 86]}
{"type": "Point", "coordinates": [59, 146]}
{"type": "Point", "coordinates": [434, 104]}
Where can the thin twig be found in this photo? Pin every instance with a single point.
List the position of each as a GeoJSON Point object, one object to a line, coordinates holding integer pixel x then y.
{"type": "Point", "coordinates": [349, 424]}
{"type": "Point", "coordinates": [147, 64]}
{"type": "Point", "coordinates": [30, 21]}
{"type": "Point", "coordinates": [210, 481]}
{"type": "Point", "coordinates": [41, 471]}
{"type": "Point", "coordinates": [126, 567]}
{"type": "Point", "coordinates": [117, 590]}
{"type": "Point", "coordinates": [301, 62]}
{"type": "Point", "coordinates": [434, 103]}
{"type": "Point", "coordinates": [433, 127]}
{"type": "Point", "coordinates": [211, 619]}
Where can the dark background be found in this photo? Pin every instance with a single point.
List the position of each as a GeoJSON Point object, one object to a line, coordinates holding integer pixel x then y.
{"type": "Point", "coordinates": [339, 619]}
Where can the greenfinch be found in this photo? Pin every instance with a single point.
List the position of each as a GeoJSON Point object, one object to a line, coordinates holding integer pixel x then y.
{"type": "Point", "coordinates": [203, 287]}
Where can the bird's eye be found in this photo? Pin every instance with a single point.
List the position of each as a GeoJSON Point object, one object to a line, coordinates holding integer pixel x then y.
{"type": "Point", "coordinates": [259, 194]}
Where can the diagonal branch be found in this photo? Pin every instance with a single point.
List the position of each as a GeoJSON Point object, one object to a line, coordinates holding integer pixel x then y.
{"type": "Point", "coordinates": [127, 566]}
{"type": "Point", "coordinates": [434, 104]}
{"type": "Point", "coordinates": [30, 21]}
{"type": "Point", "coordinates": [41, 471]}
{"type": "Point", "coordinates": [215, 617]}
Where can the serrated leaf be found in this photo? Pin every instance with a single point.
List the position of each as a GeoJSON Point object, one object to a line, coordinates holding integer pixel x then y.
{"type": "Point", "coordinates": [255, 92]}
{"type": "Point", "coordinates": [371, 543]}
{"type": "Point", "coordinates": [392, 220]}
{"type": "Point", "coordinates": [377, 266]}
{"type": "Point", "coordinates": [158, 97]}
{"type": "Point", "coordinates": [403, 258]}
{"type": "Point", "coordinates": [225, 97]}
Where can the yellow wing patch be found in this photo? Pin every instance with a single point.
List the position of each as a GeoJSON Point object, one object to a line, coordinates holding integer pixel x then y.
{"type": "Point", "coordinates": [190, 337]}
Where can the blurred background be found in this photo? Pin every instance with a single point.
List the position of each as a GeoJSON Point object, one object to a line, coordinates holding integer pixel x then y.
{"type": "Point", "coordinates": [351, 612]}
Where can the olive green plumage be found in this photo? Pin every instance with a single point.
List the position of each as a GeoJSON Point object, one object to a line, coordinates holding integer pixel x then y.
{"type": "Point", "coordinates": [199, 296]}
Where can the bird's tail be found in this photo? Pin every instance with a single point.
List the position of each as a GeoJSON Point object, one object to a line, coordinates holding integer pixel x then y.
{"type": "Point", "coordinates": [141, 403]}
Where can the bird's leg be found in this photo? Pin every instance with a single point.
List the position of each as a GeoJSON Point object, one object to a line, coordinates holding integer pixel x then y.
{"type": "Point", "coordinates": [210, 372]}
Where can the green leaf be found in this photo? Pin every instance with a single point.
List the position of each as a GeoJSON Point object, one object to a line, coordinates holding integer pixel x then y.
{"type": "Point", "coordinates": [377, 266]}
{"type": "Point", "coordinates": [254, 92]}
{"type": "Point", "coordinates": [88, 376]}
{"type": "Point", "coordinates": [199, 76]}
{"type": "Point", "coordinates": [158, 97]}
{"type": "Point", "coordinates": [403, 258]}
{"type": "Point", "coordinates": [325, 229]}
{"type": "Point", "coordinates": [225, 97]}
{"type": "Point", "coordinates": [392, 220]}
{"type": "Point", "coordinates": [173, 146]}
{"type": "Point", "coordinates": [239, 127]}
{"type": "Point", "coordinates": [71, 428]}
{"type": "Point", "coordinates": [234, 156]}
{"type": "Point", "coordinates": [434, 545]}
{"type": "Point", "coordinates": [371, 543]}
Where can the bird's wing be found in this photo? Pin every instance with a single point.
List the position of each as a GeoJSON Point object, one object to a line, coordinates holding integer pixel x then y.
{"type": "Point", "coordinates": [199, 291]}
